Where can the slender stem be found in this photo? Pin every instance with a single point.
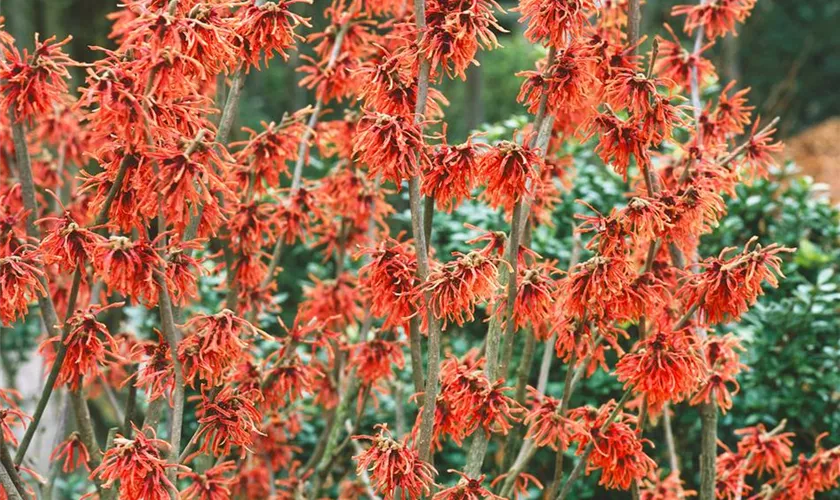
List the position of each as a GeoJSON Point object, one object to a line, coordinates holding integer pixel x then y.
{"type": "Point", "coordinates": [334, 432]}
{"type": "Point", "coordinates": [523, 373]}
{"type": "Point", "coordinates": [173, 338]}
{"type": "Point", "coordinates": [231, 106]}
{"type": "Point", "coordinates": [708, 450]}
{"type": "Point", "coordinates": [564, 404]}
{"type": "Point", "coordinates": [428, 217]}
{"type": "Point", "coordinates": [18, 486]}
{"type": "Point", "coordinates": [634, 22]}
{"type": "Point", "coordinates": [45, 303]}
{"type": "Point", "coordinates": [303, 152]}
{"type": "Point", "coordinates": [49, 384]}
{"type": "Point", "coordinates": [478, 448]}
{"type": "Point", "coordinates": [528, 448]}
{"type": "Point", "coordinates": [427, 414]}
{"type": "Point", "coordinates": [85, 429]}
{"type": "Point", "coordinates": [130, 404]}
{"type": "Point", "coordinates": [416, 352]}
{"type": "Point", "coordinates": [8, 485]}
{"type": "Point", "coordinates": [673, 457]}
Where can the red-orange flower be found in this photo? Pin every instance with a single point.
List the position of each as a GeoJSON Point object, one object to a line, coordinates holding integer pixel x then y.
{"type": "Point", "coordinates": [455, 29]}
{"type": "Point", "coordinates": [374, 360]}
{"type": "Point", "coordinates": [129, 267]}
{"type": "Point", "coordinates": [669, 488]}
{"type": "Point", "coordinates": [546, 425]}
{"type": "Point", "coordinates": [139, 466]}
{"type": "Point", "coordinates": [230, 418]}
{"type": "Point", "coordinates": [214, 346]}
{"type": "Point", "coordinates": [510, 169]}
{"type": "Point", "coordinates": [664, 367]}
{"type": "Point", "coordinates": [88, 344]}
{"type": "Point", "coordinates": [618, 451]}
{"type": "Point", "coordinates": [676, 64]}
{"type": "Point", "coordinates": [157, 373]}
{"type": "Point", "coordinates": [183, 270]}
{"type": "Point", "coordinates": [727, 287]}
{"type": "Point", "coordinates": [11, 415]}
{"type": "Point", "coordinates": [67, 243]}
{"type": "Point", "coordinates": [717, 18]}
{"type": "Point", "coordinates": [569, 81]}
{"type": "Point", "coordinates": [618, 141]}
{"type": "Point", "coordinates": [393, 464]}
{"type": "Point", "coordinates": [759, 152]}
{"type": "Point", "coordinates": [460, 285]}
{"type": "Point", "coordinates": [287, 378]}
{"type": "Point", "coordinates": [451, 174]}
{"type": "Point", "coordinates": [268, 28]}
{"type": "Point", "coordinates": [212, 484]}
{"type": "Point", "coordinates": [724, 363]}
{"type": "Point", "coordinates": [74, 452]}
{"type": "Point", "coordinates": [389, 145]}
{"type": "Point", "coordinates": [534, 302]}
{"type": "Point", "coordinates": [31, 84]}
{"type": "Point", "coordinates": [467, 488]}
{"type": "Point", "coordinates": [388, 281]}
{"type": "Point", "coordinates": [593, 284]}
{"type": "Point", "coordinates": [555, 22]}
{"type": "Point", "coordinates": [20, 284]}
{"type": "Point", "coordinates": [765, 451]}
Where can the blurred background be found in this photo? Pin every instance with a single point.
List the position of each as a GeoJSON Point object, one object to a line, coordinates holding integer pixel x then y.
{"type": "Point", "coordinates": [788, 53]}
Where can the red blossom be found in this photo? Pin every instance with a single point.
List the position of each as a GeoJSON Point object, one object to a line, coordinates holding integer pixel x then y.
{"type": "Point", "coordinates": [268, 28]}
{"type": "Point", "coordinates": [509, 169]}
{"type": "Point", "coordinates": [455, 29]}
{"type": "Point", "coordinates": [664, 367]}
{"type": "Point", "coordinates": [213, 347]}
{"type": "Point", "coordinates": [33, 83]}
{"type": "Point", "coordinates": [467, 488]}
{"type": "Point", "coordinates": [20, 284]}
{"type": "Point", "coordinates": [73, 451]}
{"type": "Point", "coordinates": [88, 346]}
{"type": "Point", "coordinates": [555, 22]}
{"type": "Point", "coordinates": [389, 145]}
{"type": "Point", "coordinates": [228, 419]}
{"type": "Point", "coordinates": [139, 466]}
{"type": "Point", "coordinates": [374, 360]}
{"type": "Point", "coordinates": [765, 451]}
{"type": "Point", "coordinates": [212, 484]}
{"type": "Point", "coordinates": [457, 287]}
{"type": "Point", "coordinates": [393, 464]}
{"type": "Point", "coordinates": [717, 18]}
{"type": "Point", "coordinates": [546, 425]}
{"type": "Point", "coordinates": [452, 173]}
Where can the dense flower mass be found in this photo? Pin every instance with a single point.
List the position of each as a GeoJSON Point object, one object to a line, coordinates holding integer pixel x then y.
{"type": "Point", "coordinates": [253, 294]}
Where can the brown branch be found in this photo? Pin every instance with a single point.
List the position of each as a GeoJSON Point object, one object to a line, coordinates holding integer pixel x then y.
{"type": "Point", "coordinates": [670, 444]}
{"type": "Point", "coordinates": [45, 303]}
{"type": "Point", "coordinates": [427, 413]}
{"type": "Point", "coordinates": [303, 151]}
{"type": "Point", "coordinates": [8, 485]}
{"type": "Point", "coordinates": [8, 466]}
